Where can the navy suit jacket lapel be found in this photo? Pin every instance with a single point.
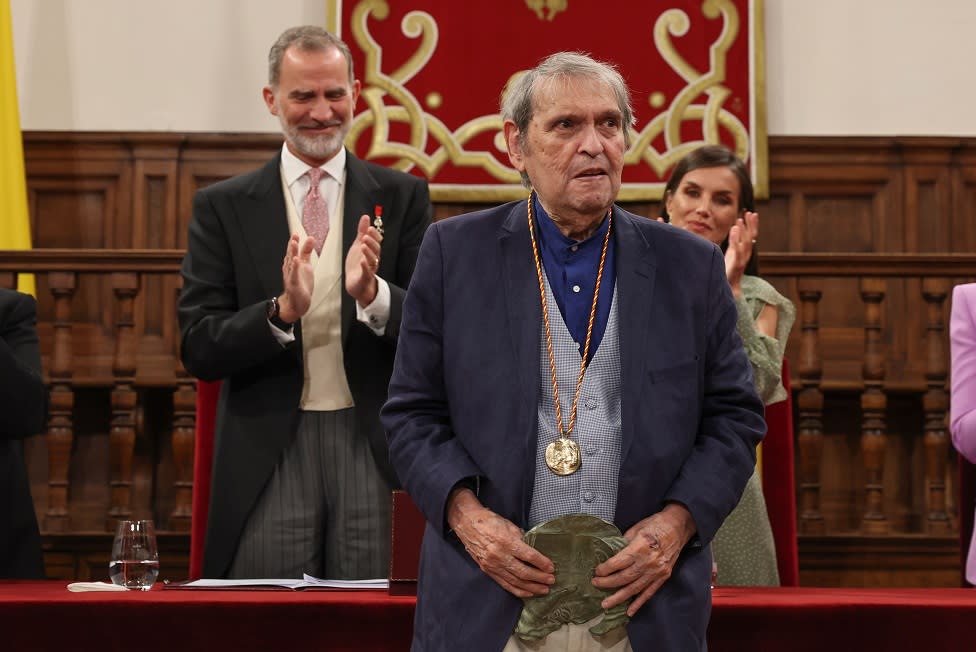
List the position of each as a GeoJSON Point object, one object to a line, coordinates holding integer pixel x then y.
{"type": "Point", "coordinates": [635, 295]}
{"type": "Point", "coordinates": [524, 317]}
{"type": "Point", "coordinates": [521, 296]}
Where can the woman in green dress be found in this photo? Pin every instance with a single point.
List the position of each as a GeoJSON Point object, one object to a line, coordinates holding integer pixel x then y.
{"type": "Point", "coordinates": [710, 194]}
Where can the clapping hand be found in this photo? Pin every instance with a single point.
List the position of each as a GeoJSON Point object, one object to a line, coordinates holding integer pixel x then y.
{"type": "Point", "coordinates": [362, 261]}
{"type": "Point", "coordinates": [742, 237]}
{"type": "Point", "coordinates": [298, 277]}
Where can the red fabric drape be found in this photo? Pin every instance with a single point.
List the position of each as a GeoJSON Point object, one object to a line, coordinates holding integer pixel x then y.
{"type": "Point", "coordinates": [202, 464]}
{"type": "Point", "coordinates": [779, 485]}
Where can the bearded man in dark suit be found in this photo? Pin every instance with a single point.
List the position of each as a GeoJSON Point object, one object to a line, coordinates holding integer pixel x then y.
{"type": "Point", "coordinates": [294, 278]}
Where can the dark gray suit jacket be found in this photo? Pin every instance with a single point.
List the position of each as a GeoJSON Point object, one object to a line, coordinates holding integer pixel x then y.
{"type": "Point", "coordinates": [23, 412]}
{"type": "Point", "coordinates": [464, 396]}
{"type": "Point", "coordinates": [237, 239]}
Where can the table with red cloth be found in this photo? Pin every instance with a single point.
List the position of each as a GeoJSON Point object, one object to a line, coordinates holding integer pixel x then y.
{"type": "Point", "coordinates": [44, 615]}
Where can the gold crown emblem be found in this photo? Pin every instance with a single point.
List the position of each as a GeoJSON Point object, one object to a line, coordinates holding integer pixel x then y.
{"type": "Point", "coordinates": [547, 9]}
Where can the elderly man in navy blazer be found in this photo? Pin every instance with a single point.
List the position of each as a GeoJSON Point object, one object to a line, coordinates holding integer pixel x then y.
{"type": "Point", "coordinates": [558, 356]}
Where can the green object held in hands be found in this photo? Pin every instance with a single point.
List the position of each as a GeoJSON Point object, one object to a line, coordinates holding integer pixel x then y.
{"type": "Point", "coordinates": [576, 544]}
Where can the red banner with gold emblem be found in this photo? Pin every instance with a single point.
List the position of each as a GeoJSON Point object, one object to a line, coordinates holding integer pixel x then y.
{"type": "Point", "coordinates": [433, 72]}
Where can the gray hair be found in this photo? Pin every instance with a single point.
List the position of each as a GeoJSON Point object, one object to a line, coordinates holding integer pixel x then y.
{"type": "Point", "coordinates": [307, 38]}
{"type": "Point", "coordinates": [517, 103]}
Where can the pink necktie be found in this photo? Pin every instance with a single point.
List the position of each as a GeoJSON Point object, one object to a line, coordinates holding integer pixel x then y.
{"type": "Point", "coordinates": [315, 215]}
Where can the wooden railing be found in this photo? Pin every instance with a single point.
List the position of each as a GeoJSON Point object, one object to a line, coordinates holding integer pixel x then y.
{"type": "Point", "coordinates": [57, 273]}
{"type": "Point", "coordinates": [874, 364]}
{"type": "Point", "coordinates": [935, 276]}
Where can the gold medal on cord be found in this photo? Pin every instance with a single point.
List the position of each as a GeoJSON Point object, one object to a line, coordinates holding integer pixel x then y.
{"type": "Point", "coordinates": [563, 455]}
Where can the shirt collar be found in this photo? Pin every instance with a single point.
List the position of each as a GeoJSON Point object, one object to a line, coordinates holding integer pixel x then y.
{"type": "Point", "coordinates": [294, 168]}
{"type": "Point", "coordinates": [552, 238]}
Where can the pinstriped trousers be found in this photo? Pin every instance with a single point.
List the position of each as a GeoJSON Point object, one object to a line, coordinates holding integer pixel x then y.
{"type": "Point", "coordinates": [325, 511]}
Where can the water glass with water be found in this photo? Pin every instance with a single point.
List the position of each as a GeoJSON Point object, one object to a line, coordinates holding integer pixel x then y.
{"type": "Point", "coordinates": [134, 563]}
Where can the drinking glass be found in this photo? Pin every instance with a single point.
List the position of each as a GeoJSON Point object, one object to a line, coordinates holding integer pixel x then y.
{"type": "Point", "coordinates": [134, 563]}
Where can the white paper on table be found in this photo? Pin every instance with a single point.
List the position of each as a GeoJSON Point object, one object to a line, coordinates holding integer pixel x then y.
{"type": "Point", "coordinates": [378, 583]}
{"type": "Point", "coordinates": [78, 587]}
{"type": "Point", "coordinates": [307, 582]}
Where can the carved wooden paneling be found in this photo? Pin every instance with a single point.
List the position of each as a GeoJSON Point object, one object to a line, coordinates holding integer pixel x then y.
{"type": "Point", "coordinates": [154, 226]}
{"type": "Point", "coordinates": [869, 361]}
{"type": "Point", "coordinates": [75, 197]}
{"type": "Point", "coordinates": [859, 561]}
{"type": "Point", "coordinates": [962, 202]}
{"type": "Point", "coordinates": [870, 195]}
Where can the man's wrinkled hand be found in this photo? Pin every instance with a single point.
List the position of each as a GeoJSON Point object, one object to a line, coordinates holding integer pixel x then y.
{"type": "Point", "coordinates": [496, 545]}
{"type": "Point", "coordinates": [641, 568]}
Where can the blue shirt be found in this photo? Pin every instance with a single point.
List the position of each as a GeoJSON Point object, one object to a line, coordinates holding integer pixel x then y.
{"type": "Point", "coordinates": [571, 267]}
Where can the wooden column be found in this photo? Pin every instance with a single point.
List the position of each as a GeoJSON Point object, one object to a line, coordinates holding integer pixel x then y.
{"type": "Point", "coordinates": [122, 435]}
{"type": "Point", "coordinates": [873, 405]}
{"type": "Point", "coordinates": [935, 402]}
{"type": "Point", "coordinates": [810, 408]}
{"type": "Point", "coordinates": [183, 441]}
{"type": "Point", "coordinates": [60, 429]}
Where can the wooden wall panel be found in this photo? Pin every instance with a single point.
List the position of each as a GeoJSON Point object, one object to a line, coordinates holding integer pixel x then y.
{"type": "Point", "coordinates": [864, 196]}
{"type": "Point", "coordinates": [962, 203]}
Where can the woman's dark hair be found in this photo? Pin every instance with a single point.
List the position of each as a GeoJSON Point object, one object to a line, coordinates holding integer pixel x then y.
{"type": "Point", "coordinates": [716, 156]}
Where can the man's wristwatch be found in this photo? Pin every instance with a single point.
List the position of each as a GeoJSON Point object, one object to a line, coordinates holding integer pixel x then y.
{"type": "Point", "coordinates": [274, 315]}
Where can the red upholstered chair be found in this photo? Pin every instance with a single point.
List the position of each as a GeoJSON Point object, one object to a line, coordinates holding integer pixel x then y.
{"type": "Point", "coordinates": [967, 502]}
{"type": "Point", "coordinates": [779, 485]}
{"type": "Point", "coordinates": [206, 412]}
